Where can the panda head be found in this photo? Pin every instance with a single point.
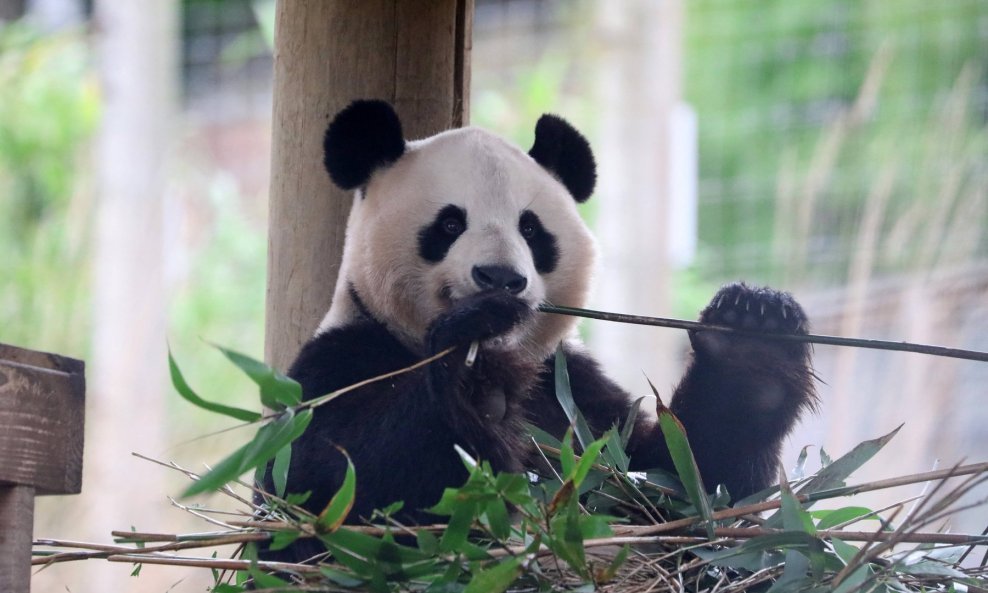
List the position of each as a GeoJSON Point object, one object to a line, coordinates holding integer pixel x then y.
{"type": "Point", "coordinates": [464, 211]}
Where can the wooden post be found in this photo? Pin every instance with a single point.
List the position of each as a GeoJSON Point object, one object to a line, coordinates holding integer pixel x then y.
{"type": "Point", "coordinates": [42, 400]}
{"type": "Point", "coordinates": [328, 53]}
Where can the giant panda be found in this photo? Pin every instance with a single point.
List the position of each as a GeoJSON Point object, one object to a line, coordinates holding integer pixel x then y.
{"type": "Point", "coordinates": [458, 238]}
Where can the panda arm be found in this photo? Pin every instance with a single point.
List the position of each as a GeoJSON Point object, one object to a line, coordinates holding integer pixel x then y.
{"type": "Point", "coordinates": [399, 432]}
{"type": "Point", "coordinates": [741, 395]}
{"type": "Point", "coordinates": [737, 401]}
{"type": "Point", "coordinates": [388, 428]}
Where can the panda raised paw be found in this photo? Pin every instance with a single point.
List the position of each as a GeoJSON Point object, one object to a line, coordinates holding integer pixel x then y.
{"type": "Point", "coordinates": [752, 309]}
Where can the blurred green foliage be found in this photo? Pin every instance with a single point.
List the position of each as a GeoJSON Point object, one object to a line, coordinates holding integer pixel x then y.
{"type": "Point", "coordinates": [771, 80]}
{"type": "Point", "coordinates": [49, 110]}
{"type": "Point", "coordinates": [219, 295]}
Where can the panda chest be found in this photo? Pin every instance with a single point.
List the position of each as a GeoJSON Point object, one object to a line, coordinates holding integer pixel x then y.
{"type": "Point", "coordinates": [497, 385]}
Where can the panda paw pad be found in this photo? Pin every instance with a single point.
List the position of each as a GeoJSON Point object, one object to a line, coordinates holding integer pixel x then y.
{"type": "Point", "coordinates": [744, 307]}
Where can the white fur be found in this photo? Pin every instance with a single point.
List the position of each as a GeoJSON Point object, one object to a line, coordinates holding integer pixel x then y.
{"type": "Point", "coordinates": [493, 182]}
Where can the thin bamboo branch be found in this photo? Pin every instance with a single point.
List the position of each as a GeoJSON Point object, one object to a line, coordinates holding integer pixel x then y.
{"type": "Point", "coordinates": [769, 505]}
{"type": "Point", "coordinates": [217, 563]}
{"type": "Point", "coordinates": [104, 551]}
{"type": "Point", "coordinates": [811, 338]}
{"type": "Point", "coordinates": [318, 401]}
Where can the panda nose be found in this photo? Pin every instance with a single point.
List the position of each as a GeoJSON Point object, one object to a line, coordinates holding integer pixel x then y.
{"type": "Point", "coordinates": [499, 278]}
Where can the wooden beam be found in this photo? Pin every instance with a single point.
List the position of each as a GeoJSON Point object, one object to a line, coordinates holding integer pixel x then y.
{"type": "Point", "coordinates": [328, 53]}
{"type": "Point", "coordinates": [42, 406]}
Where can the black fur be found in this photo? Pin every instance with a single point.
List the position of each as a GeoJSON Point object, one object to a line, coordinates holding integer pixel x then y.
{"type": "Point", "coordinates": [739, 398]}
{"type": "Point", "coordinates": [545, 254]}
{"type": "Point", "coordinates": [563, 151]}
{"type": "Point", "coordinates": [436, 239]}
{"type": "Point", "coordinates": [363, 137]}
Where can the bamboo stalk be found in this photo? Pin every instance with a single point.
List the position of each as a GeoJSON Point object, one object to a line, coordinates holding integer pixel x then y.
{"type": "Point", "coordinates": [811, 338]}
{"type": "Point", "coordinates": [217, 563]}
{"type": "Point", "coordinates": [104, 550]}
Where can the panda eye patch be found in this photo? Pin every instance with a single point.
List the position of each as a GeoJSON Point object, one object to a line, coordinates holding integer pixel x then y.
{"type": "Point", "coordinates": [545, 253]}
{"type": "Point", "coordinates": [437, 237]}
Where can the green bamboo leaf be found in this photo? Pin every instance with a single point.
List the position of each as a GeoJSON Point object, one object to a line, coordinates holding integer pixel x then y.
{"type": "Point", "coordinates": [277, 391]}
{"type": "Point", "coordinates": [279, 470]}
{"type": "Point", "coordinates": [845, 551]}
{"type": "Point", "coordinates": [498, 519]}
{"type": "Point", "coordinates": [799, 563]}
{"type": "Point", "coordinates": [339, 506]}
{"type": "Point", "coordinates": [513, 487]}
{"type": "Point", "coordinates": [856, 580]}
{"type": "Point", "coordinates": [340, 578]}
{"type": "Point", "coordinates": [353, 560]}
{"type": "Point", "coordinates": [566, 539]}
{"type": "Point", "coordinates": [297, 498]}
{"type": "Point", "coordinates": [564, 394]}
{"type": "Point", "coordinates": [764, 543]}
{"type": "Point", "coordinates": [839, 516]}
{"type": "Point", "coordinates": [496, 579]}
{"type": "Point", "coordinates": [183, 389]}
{"type": "Point", "coordinates": [374, 559]}
{"type": "Point", "coordinates": [428, 543]}
{"type": "Point", "coordinates": [834, 474]}
{"type": "Point", "coordinates": [282, 539]}
{"type": "Point", "coordinates": [629, 423]}
{"type": "Point", "coordinates": [797, 566]}
{"type": "Point", "coordinates": [587, 460]}
{"type": "Point", "coordinates": [567, 457]}
{"type": "Point", "coordinates": [265, 580]}
{"type": "Point", "coordinates": [458, 528]}
{"type": "Point", "coordinates": [794, 518]}
{"type": "Point", "coordinates": [614, 453]}
{"type": "Point", "coordinates": [683, 460]}
{"type": "Point", "coordinates": [269, 439]}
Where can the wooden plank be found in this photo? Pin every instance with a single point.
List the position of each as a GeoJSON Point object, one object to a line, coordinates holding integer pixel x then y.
{"type": "Point", "coordinates": [42, 406]}
{"type": "Point", "coordinates": [328, 53]}
{"type": "Point", "coordinates": [16, 525]}
{"type": "Point", "coordinates": [44, 360]}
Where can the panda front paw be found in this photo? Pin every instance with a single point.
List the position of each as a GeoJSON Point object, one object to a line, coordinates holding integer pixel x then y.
{"type": "Point", "coordinates": [475, 318]}
{"type": "Point", "coordinates": [753, 309]}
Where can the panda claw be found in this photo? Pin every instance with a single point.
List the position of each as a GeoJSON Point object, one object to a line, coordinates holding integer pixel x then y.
{"type": "Point", "coordinates": [785, 312]}
{"type": "Point", "coordinates": [763, 310]}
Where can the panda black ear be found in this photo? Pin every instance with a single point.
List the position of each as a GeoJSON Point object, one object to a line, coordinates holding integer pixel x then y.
{"type": "Point", "coordinates": [364, 136]}
{"type": "Point", "coordinates": [563, 151]}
